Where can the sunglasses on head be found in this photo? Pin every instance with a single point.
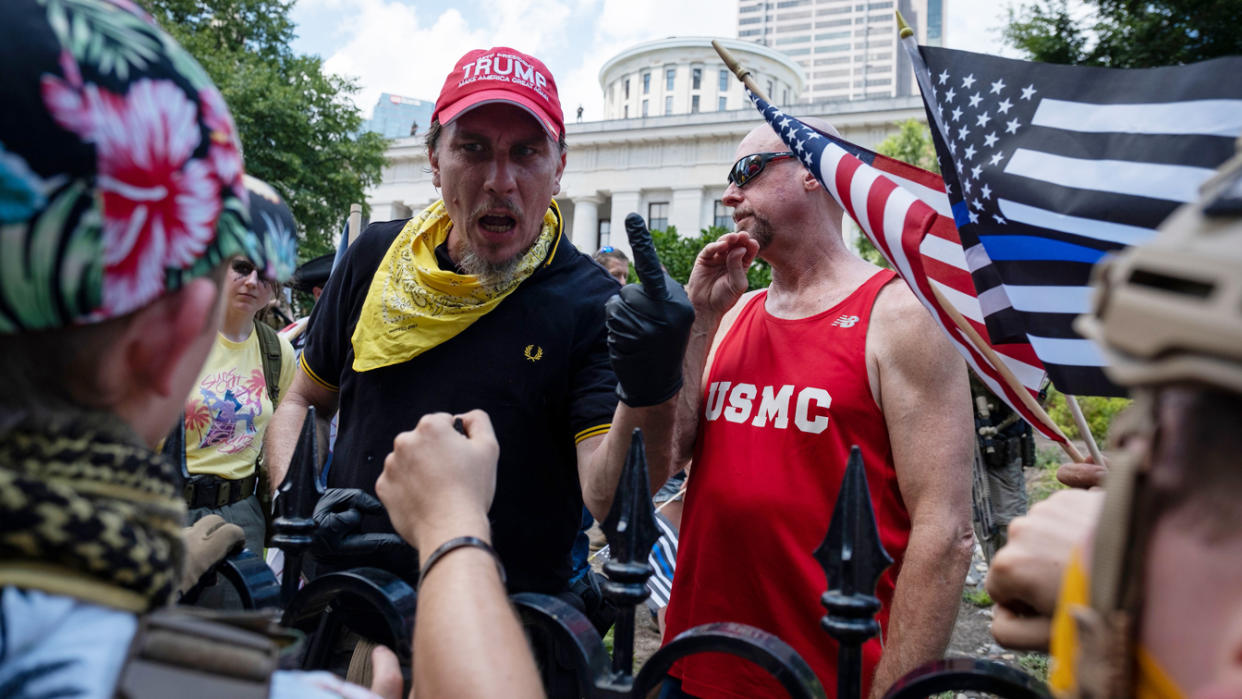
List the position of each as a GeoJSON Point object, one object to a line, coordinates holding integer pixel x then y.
{"type": "Point", "coordinates": [606, 248]}
{"type": "Point", "coordinates": [749, 167]}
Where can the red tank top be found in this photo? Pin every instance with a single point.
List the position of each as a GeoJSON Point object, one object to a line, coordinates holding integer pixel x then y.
{"type": "Point", "coordinates": [784, 401]}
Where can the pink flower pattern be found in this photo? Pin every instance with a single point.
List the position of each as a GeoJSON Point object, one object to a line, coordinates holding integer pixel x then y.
{"type": "Point", "coordinates": [159, 207]}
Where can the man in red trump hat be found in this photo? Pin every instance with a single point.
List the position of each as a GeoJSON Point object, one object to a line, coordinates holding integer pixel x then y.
{"type": "Point", "coordinates": [481, 301]}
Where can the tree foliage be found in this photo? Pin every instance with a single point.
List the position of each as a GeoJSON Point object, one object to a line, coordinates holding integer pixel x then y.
{"type": "Point", "coordinates": [1126, 33]}
{"type": "Point", "coordinates": [677, 254]}
{"type": "Point", "coordinates": [299, 131]}
{"type": "Point", "coordinates": [911, 144]}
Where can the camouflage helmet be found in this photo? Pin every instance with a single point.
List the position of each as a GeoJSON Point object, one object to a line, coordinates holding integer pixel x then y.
{"type": "Point", "coordinates": [1170, 309]}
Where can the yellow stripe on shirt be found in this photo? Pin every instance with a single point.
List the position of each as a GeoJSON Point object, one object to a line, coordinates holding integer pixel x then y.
{"type": "Point", "coordinates": [315, 377]}
{"type": "Point", "coordinates": [592, 432]}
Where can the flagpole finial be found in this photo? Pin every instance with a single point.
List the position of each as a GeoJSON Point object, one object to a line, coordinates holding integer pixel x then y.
{"type": "Point", "coordinates": [742, 73]}
{"type": "Point", "coordinates": [903, 29]}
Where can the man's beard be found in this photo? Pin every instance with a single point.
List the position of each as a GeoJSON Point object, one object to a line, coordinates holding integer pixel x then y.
{"type": "Point", "coordinates": [490, 273]}
{"type": "Point", "coordinates": [760, 229]}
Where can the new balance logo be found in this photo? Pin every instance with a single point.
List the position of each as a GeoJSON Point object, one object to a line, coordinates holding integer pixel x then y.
{"type": "Point", "coordinates": [845, 321]}
{"type": "Point", "coordinates": [810, 408]}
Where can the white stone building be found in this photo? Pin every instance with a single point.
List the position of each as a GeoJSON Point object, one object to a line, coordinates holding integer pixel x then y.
{"type": "Point", "coordinates": [671, 169]}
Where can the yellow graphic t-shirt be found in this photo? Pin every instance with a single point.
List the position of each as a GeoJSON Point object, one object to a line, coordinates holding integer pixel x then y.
{"type": "Point", "coordinates": [229, 408]}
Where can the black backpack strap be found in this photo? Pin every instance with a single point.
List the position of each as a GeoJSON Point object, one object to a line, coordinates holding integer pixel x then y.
{"type": "Point", "coordinates": [269, 348]}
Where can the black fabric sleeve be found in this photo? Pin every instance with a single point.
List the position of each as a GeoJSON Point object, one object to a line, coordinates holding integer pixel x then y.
{"type": "Point", "coordinates": [592, 383]}
{"type": "Point", "coordinates": [331, 325]}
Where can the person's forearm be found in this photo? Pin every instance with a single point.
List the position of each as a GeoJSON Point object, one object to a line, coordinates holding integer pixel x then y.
{"type": "Point", "coordinates": [603, 469]}
{"type": "Point", "coordinates": [690, 399]}
{"type": "Point", "coordinates": [464, 615]}
{"type": "Point", "coordinates": [925, 601]}
{"type": "Point", "coordinates": [282, 435]}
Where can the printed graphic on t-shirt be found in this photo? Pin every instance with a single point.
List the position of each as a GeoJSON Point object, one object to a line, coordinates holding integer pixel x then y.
{"type": "Point", "coordinates": [224, 414]}
{"type": "Point", "coordinates": [810, 405]}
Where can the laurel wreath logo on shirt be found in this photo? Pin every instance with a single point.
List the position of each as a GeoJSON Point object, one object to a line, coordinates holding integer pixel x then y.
{"type": "Point", "coordinates": [533, 353]}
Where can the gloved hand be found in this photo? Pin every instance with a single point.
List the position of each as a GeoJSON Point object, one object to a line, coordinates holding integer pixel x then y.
{"type": "Point", "coordinates": [338, 514]}
{"type": "Point", "coordinates": [207, 542]}
{"type": "Point", "coordinates": [648, 326]}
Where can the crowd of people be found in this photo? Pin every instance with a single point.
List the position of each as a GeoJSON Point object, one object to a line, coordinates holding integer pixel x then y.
{"type": "Point", "coordinates": [485, 377]}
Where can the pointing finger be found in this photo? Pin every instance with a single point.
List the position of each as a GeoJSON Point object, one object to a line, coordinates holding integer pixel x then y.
{"type": "Point", "coordinates": [646, 261]}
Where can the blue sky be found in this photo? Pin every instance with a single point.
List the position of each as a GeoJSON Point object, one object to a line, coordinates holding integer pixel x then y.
{"type": "Point", "coordinates": [407, 47]}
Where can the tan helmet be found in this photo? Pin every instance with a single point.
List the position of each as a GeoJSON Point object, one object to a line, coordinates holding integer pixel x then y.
{"type": "Point", "coordinates": [1171, 309]}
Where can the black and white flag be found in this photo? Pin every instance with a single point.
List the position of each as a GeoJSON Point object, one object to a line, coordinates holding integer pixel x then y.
{"type": "Point", "coordinates": [1050, 167]}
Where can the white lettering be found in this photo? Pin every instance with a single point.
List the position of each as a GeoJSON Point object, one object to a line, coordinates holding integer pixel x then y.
{"type": "Point", "coordinates": [740, 402]}
{"type": "Point", "coordinates": [715, 399]}
{"type": "Point", "coordinates": [483, 65]}
{"type": "Point", "coordinates": [775, 405]}
{"type": "Point", "coordinates": [523, 72]}
{"type": "Point", "coordinates": [465, 71]}
{"type": "Point", "coordinates": [802, 416]}
{"type": "Point", "coordinates": [540, 81]}
{"type": "Point", "coordinates": [508, 66]}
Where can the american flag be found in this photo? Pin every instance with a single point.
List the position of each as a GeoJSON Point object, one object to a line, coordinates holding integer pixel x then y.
{"type": "Point", "coordinates": [1050, 167]}
{"type": "Point", "coordinates": [904, 212]}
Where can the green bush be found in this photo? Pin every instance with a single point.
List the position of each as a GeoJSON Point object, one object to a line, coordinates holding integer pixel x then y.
{"type": "Point", "coordinates": [1098, 411]}
{"type": "Point", "coordinates": [678, 254]}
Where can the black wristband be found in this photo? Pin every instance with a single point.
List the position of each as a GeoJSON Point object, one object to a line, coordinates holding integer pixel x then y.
{"type": "Point", "coordinates": [457, 543]}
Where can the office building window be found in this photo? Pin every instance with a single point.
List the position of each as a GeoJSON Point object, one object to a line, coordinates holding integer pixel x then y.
{"type": "Point", "coordinates": [696, 78]}
{"type": "Point", "coordinates": [644, 107]}
{"type": "Point", "coordinates": [627, 88]}
{"type": "Point", "coordinates": [646, 83]}
{"type": "Point", "coordinates": [668, 104]}
{"type": "Point", "coordinates": [724, 80]}
{"type": "Point", "coordinates": [669, 74]}
{"type": "Point", "coordinates": [722, 104]}
{"type": "Point", "coordinates": [605, 232]}
{"type": "Point", "coordinates": [694, 104]}
{"type": "Point", "coordinates": [722, 216]}
{"type": "Point", "coordinates": [657, 215]}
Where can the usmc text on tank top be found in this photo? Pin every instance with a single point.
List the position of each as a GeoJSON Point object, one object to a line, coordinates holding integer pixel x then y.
{"type": "Point", "coordinates": [737, 403]}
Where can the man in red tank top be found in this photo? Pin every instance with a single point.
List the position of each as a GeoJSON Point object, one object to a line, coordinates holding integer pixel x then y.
{"type": "Point", "coordinates": [779, 384]}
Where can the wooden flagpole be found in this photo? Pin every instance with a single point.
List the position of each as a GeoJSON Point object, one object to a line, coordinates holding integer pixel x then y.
{"type": "Point", "coordinates": [1084, 429]}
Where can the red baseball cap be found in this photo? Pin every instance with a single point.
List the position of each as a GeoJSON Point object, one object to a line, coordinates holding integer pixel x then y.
{"type": "Point", "coordinates": [501, 74]}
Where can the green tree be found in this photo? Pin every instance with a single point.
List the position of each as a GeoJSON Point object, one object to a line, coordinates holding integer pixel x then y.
{"type": "Point", "coordinates": [677, 254]}
{"type": "Point", "coordinates": [298, 128]}
{"type": "Point", "coordinates": [1126, 33]}
{"type": "Point", "coordinates": [911, 144]}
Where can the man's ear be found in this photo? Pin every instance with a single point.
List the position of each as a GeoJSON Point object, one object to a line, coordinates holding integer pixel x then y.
{"type": "Point", "coordinates": [560, 170]}
{"type": "Point", "coordinates": [434, 159]}
{"type": "Point", "coordinates": [809, 182]}
{"type": "Point", "coordinates": [164, 335]}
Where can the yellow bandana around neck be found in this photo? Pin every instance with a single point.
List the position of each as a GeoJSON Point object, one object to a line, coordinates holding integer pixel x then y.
{"type": "Point", "coordinates": [412, 305]}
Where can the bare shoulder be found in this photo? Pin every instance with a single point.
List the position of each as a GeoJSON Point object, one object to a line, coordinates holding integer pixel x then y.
{"type": "Point", "coordinates": [905, 345]}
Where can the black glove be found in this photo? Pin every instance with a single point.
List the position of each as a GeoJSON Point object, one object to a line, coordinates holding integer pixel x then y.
{"type": "Point", "coordinates": [648, 326]}
{"type": "Point", "coordinates": [338, 514]}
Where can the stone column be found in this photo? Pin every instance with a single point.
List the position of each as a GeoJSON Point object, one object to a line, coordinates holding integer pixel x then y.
{"type": "Point", "coordinates": [623, 204]}
{"type": "Point", "coordinates": [586, 223]}
{"type": "Point", "coordinates": [687, 208]}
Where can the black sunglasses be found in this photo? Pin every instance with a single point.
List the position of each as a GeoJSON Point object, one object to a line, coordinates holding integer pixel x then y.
{"type": "Point", "coordinates": [749, 167]}
{"type": "Point", "coordinates": [242, 267]}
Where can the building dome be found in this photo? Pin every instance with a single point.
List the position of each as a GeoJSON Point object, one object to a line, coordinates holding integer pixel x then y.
{"type": "Point", "coordinates": [684, 75]}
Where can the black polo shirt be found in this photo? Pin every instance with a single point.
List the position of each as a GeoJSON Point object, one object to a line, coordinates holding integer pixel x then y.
{"type": "Point", "coordinates": [537, 364]}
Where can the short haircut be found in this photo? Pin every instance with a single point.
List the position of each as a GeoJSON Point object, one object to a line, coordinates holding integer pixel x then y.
{"type": "Point", "coordinates": [610, 254]}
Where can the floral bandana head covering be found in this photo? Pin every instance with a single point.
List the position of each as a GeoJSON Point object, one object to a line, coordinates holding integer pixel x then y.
{"type": "Point", "coordinates": [120, 167]}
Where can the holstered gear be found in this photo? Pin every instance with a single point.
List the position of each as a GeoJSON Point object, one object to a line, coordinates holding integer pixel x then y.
{"type": "Point", "coordinates": [207, 542]}
{"type": "Point", "coordinates": [188, 655]}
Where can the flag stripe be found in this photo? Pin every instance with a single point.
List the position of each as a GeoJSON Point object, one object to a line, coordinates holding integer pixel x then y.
{"type": "Point", "coordinates": [1078, 225]}
{"type": "Point", "coordinates": [1028, 247]}
{"type": "Point", "coordinates": [1152, 180]}
{"type": "Point", "coordinates": [1068, 351]}
{"type": "Point", "coordinates": [1221, 117]}
{"type": "Point", "coordinates": [1051, 299]}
